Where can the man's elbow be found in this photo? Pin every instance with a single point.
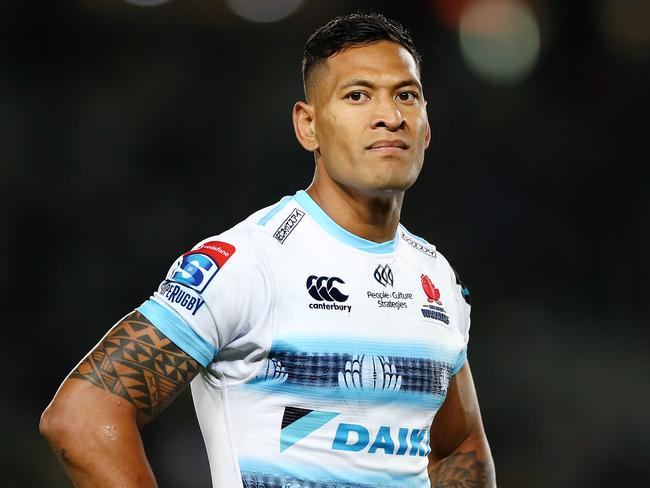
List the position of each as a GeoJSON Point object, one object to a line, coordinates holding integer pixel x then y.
{"type": "Point", "coordinates": [57, 424]}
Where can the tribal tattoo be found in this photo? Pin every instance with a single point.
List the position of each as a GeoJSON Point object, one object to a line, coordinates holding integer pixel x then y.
{"type": "Point", "coordinates": [137, 362]}
{"type": "Point", "coordinates": [463, 470]}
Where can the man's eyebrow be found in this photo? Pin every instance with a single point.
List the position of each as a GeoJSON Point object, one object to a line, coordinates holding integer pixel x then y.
{"type": "Point", "coordinates": [369, 84]}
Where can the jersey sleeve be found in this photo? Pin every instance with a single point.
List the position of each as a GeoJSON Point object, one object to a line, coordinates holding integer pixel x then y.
{"type": "Point", "coordinates": [211, 295]}
{"type": "Point", "coordinates": [464, 309]}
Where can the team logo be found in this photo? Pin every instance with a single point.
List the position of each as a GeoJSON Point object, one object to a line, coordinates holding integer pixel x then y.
{"type": "Point", "coordinates": [198, 267]}
{"type": "Point", "coordinates": [290, 223]}
{"type": "Point", "coordinates": [433, 294]}
{"type": "Point", "coordinates": [384, 275]}
{"type": "Point", "coordinates": [430, 311]}
{"type": "Point", "coordinates": [325, 289]}
{"type": "Point", "coordinates": [429, 251]}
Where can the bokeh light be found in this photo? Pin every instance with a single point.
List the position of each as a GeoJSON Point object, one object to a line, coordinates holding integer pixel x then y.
{"type": "Point", "coordinates": [500, 40]}
{"type": "Point", "coordinates": [449, 11]}
{"type": "Point", "coordinates": [146, 3]}
{"type": "Point", "coordinates": [626, 27]}
{"type": "Point", "coordinates": [264, 10]}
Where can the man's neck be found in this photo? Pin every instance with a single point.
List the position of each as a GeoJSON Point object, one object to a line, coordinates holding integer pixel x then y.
{"type": "Point", "coordinates": [372, 217]}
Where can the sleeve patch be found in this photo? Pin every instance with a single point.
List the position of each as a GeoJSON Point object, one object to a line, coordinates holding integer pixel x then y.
{"type": "Point", "coordinates": [198, 267]}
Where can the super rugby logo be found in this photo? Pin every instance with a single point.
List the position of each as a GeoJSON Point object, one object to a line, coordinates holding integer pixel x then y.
{"type": "Point", "coordinates": [198, 267]}
{"type": "Point", "coordinates": [325, 289]}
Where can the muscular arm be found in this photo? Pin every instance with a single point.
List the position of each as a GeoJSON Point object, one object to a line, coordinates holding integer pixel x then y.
{"type": "Point", "coordinates": [124, 382]}
{"type": "Point", "coordinates": [460, 455]}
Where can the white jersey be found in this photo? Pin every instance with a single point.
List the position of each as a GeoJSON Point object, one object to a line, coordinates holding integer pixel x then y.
{"type": "Point", "coordinates": [326, 355]}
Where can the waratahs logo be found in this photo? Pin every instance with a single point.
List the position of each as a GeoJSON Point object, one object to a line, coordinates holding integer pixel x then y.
{"type": "Point", "coordinates": [433, 294]}
{"type": "Point", "coordinates": [428, 310]}
{"type": "Point", "coordinates": [326, 289]}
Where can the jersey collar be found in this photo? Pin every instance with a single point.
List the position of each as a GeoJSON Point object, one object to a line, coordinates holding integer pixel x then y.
{"type": "Point", "coordinates": [338, 232]}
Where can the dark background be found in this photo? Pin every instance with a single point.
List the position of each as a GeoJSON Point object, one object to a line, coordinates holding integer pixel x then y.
{"type": "Point", "coordinates": [128, 133]}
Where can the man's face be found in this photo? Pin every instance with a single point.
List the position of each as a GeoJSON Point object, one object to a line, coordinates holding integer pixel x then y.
{"type": "Point", "coordinates": [370, 120]}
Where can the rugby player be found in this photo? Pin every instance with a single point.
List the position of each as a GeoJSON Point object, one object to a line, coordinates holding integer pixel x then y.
{"type": "Point", "coordinates": [326, 345]}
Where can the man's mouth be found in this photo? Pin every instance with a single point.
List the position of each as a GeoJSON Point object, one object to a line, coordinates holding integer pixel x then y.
{"type": "Point", "coordinates": [388, 146]}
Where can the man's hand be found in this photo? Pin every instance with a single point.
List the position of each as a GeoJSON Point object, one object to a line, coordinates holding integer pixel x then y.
{"type": "Point", "coordinates": [125, 381]}
{"type": "Point", "coordinates": [460, 455]}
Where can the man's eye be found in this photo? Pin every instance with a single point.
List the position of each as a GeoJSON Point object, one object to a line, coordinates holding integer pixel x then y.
{"type": "Point", "coordinates": [357, 96]}
{"type": "Point", "coordinates": [408, 96]}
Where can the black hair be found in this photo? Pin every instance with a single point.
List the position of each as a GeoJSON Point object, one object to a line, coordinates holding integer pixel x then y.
{"type": "Point", "coordinates": [356, 29]}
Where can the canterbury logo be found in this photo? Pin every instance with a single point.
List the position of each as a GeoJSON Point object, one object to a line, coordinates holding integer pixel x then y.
{"type": "Point", "coordinates": [384, 275]}
{"type": "Point", "coordinates": [322, 288]}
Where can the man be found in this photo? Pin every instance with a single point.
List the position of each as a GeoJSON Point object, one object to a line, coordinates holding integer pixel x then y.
{"type": "Point", "coordinates": [326, 344]}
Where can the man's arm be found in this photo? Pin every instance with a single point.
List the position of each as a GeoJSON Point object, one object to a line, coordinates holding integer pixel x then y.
{"type": "Point", "coordinates": [460, 455]}
{"type": "Point", "coordinates": [124, 382]}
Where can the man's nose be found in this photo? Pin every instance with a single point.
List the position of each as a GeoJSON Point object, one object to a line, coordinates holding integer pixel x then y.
{"type": "Point", "coordinates": [388, 116]}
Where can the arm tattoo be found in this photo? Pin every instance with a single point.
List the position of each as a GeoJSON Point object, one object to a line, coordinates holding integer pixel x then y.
{"type": "Point", "coordinates": [137, 362]}
{"type": "Point", "coordinates": [464, 470]}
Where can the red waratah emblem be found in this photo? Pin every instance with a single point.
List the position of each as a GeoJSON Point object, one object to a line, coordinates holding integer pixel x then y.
{"type": "Point", "coordinates": [433, 294]}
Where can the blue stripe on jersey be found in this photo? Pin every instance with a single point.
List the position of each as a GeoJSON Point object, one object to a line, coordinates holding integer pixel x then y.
{"type": "Point", "coordinates": [178, 331]}
{"type": "Point", "coordinates": [460, 362]}
{"type": "Point", "coordinates": [273, 212]}
{"type": "Point", "coordinates": [256, 474]}
{"type": "Point", "coordinates": [369, 372]}
{"type": "Point", "coordinates": [422, 401]}
{"type": "Point", "coordinates": [357, 346]}
{"type": "Point", "coordinates": [339, 232]}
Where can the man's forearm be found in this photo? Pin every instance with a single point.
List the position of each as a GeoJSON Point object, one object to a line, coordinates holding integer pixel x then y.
{"type": "Point", "coordinates": [97, 445]}
{"type": "Point", "coordinates": [469, 466]}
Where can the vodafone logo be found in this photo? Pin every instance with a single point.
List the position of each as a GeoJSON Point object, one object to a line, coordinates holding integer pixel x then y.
{"type": "Point", "coordinates": [216, 249]}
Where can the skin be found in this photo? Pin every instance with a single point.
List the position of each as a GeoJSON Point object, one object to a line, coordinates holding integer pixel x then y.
{"type": "Point", "coordinates": [358, 98]}
{"type": "Point", "coordinates": [362, 95]}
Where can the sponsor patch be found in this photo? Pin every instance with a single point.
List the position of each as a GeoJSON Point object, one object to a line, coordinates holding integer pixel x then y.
{"type": "Point", "coordinates": [420, 247]}
{"type": "Point", "coordinates": [290, 223]}
{"type": "Point", "coordinates": [384, 275]}
{"type": "Point", "coordinates": [198, 267]}
{"type": "Point", "coordinates": [326, 289]}
{"type": "Point", "coordinates": [384, 298]}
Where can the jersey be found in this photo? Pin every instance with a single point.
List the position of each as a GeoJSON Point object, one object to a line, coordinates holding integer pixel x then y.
{"type": "Point", "coordinates": [326, 356]}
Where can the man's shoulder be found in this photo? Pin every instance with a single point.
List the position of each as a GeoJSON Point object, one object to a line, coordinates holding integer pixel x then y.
{"type": "Point", "coordinates": [268, 225]}
{"type": "Point", "coordinates": [418, 243]}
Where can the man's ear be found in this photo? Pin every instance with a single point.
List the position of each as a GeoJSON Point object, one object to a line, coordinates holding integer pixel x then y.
{"type": "Point", "coordinates": [304, 125]}
{"type": "Point", "coordinates": [427, 136]}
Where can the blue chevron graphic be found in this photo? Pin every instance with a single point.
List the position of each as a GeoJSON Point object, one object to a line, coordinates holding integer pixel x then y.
{"type": "Point", "coordinates": [304, 426]}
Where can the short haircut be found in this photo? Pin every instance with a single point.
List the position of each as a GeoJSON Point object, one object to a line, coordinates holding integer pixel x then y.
{"type": "Point", "coordinates": [347, 31]}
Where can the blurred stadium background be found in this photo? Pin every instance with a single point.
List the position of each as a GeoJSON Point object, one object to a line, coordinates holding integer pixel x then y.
{"type": "Point", "coordinates": [131, 129]}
